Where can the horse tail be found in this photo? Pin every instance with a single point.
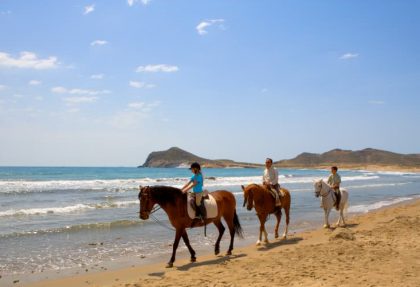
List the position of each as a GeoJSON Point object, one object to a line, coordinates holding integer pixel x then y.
{"type": "Point", "coordinates": [346, 204]}
{"type": "Point", "coordinates": [237, 226]}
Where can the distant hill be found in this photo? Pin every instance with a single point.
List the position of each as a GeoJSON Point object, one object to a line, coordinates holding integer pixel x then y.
{"type": "Point", "coordinates": [176, 157]}
{"type": "Point", "coordinates": [352, 159]}
{"type": "Point", "coordinates": [362, 159]}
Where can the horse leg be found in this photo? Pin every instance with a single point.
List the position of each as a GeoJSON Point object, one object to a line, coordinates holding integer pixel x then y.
{"type": "Point", "coordinates": [187, 243]}
{"type": "Point", "coordinates": [262, 218]}
{"type": "Point", "coordinates": [276, 228]}
{"type": "Point", "coordinates": [178, 235]}
{"type": "Point", "coordinates": [221, 229]}
{"type": "Point", "coordinates": [229, 220]}
{"type": "Point", "coordinates": [326, 213]}
{"type": "Point", "coordinates": [342, 215]}
{"type": "Point", "coordinates": [286, 229]}
{"type": "Point", "coordinates": [265, 235]}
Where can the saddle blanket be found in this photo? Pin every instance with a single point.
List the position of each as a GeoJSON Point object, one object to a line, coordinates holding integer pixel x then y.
{"type": "Point", "coordinates": [210, 204]}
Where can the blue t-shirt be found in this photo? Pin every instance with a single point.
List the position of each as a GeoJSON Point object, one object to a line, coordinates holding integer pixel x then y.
{"type": "Point", "coordinates": [199, 179]}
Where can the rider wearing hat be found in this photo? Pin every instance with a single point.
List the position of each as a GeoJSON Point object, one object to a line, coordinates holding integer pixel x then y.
{"type": "Point", "coordinates": [196, 183]}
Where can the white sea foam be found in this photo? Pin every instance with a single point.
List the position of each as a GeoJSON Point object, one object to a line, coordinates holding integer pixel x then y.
{"type": "Point", "coordinates": [46, 210]}
{"type": "Point", "coordinates": [123, 185]}
{"type": "Point", "coordinates": [67, 209]}
{"type": "Point", "coordinates": [377, 205]}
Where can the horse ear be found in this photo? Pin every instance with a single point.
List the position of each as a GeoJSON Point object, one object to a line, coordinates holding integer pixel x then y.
{"type": "Point", "coordinates": [140, 187]}
{"type": "Point", "coordinates": [243, 187]}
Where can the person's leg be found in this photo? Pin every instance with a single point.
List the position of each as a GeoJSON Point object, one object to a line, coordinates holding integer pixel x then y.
{"type": "Point", "coordinates": [198, 197]}
{"type": "Point", "coordinates": [276, 192]}
{"type": "Point", "coordinates": [338, 194]}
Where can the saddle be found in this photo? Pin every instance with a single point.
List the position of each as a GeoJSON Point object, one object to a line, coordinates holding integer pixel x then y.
{"type": "Point", "coordinates": [210, 205]}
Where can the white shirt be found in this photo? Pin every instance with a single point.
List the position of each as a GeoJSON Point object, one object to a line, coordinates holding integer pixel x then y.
{"type": "Point", "coordinates": [271, 176]}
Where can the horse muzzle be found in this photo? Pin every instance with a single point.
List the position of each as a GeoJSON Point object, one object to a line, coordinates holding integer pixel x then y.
{"type": "Point", "coordinates": [144, 215]}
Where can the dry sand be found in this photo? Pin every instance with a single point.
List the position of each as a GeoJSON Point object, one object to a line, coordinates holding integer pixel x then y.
{"type": "Point", "coordinates": [380, 248]}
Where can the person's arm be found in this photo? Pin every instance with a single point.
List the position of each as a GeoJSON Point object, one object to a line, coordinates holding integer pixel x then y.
{"type": "Point", "coordinates": [338, 182]}
{"type": "Point", "coordinates": [276, 176]}
{"type": "Point", "coordinates": [187, 187]}
{"type": "Point", "coordinates": [329, 181]}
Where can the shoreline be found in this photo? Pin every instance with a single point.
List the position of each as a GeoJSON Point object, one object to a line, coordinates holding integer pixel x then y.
{"type": "Point", "coordinates": [184, 273]}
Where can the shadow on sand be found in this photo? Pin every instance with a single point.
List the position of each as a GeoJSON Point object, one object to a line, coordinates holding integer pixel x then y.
{"type": "Point", "coordinates": [218, 260]}
{"type": "Point", "coordinates": [278, 243]}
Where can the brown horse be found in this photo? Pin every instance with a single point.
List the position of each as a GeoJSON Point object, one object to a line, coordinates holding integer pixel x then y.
{"type": "Point", "coordinates": [174, 202]}
{"type": "Point", "coordinates": [265, 204]}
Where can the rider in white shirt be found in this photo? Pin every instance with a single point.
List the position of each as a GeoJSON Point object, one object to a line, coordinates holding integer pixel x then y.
{"type": "Point", "coordinates": [271, 180]}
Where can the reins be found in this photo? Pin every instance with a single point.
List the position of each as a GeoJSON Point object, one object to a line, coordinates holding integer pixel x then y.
{"type": "Point", "coordinates": [155, 219]}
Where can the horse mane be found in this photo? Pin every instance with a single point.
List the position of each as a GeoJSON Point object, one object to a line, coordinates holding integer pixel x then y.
{"type": "Point", "coordinates": [166, 194]}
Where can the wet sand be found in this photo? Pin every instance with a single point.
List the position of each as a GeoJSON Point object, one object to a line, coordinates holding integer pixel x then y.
{"type": "Point", "coordinates": [380, 248]}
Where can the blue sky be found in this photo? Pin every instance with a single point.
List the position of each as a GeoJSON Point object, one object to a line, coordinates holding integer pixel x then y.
{"type": "Point", "coordinates": [103, 83]}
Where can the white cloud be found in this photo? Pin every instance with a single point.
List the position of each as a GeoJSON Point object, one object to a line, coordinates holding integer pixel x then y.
{"type": "Point", "coordinates": [39, 98]}
{"type": "Point", "coordinates": [73, 110]}
{"type": "Point", "coordinates": [264, 90]}
{"type": "Point", "coordinates": [89, 9]}
{"type": "Point", "coordinates": [79, 100]}
{"type": "Point", "coordinates": [132, 2]}
{"type": "Point", "coordinates": [27, 60]}
{"type": "Point", "coordinates": [62, 90]}
{"type": "Point", "coordinates": [349, 56]}
{"type": "Point", "coordinates": [97, 76]}
{"type": "Point", "coordinates": [7, 12]}
{"type": "Point", "coordinates": [34, 82]}
{"type": "Point", "coordinates": [157, 68]}
{"type": "Point", "coordinates": [98, 43]}
{"type": "Point", "coordinates": [136, 105]}
{"type": "Point", "coordinates": [376, 102]}
{"type": "Point", "coordinates": [140, 85]}
{"type": "Point", "coordinates": [2, 87]}
{"type": "Point", "coordinates": [203, 25]}
{"type": "Point", "coordinates": [133, 115]}
{"type": "Point", "coordinates": [18, 96]}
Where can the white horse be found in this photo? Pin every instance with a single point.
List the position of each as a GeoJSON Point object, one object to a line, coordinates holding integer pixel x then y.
{"type": "Point", "coordinates": [328, 199]}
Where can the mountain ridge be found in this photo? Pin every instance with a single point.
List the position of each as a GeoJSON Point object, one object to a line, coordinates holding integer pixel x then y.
{"type": "Point", "coordinates": [368, 157]}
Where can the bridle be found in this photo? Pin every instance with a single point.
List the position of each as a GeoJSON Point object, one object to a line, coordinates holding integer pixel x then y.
{"type": "Point", "coordinates": [145, 195]}
{"type": "Point", "coordinates": [318, 192]}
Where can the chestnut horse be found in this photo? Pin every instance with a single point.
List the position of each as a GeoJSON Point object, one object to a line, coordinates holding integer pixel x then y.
{"type": "Point", "coordinates": [174, 202]}
{"type": "Point", "coordinates": [265, 204]}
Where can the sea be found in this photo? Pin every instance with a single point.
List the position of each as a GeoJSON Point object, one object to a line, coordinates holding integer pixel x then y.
{"type": "Point", "coordinates": [54, 219]}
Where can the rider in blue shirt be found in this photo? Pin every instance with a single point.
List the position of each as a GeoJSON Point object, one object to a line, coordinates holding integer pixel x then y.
{"type": "Point", "coordinates": [196, 183]}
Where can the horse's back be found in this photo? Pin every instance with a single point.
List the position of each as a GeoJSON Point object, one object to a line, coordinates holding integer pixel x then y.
{"type": "Point", "coordinates": [224, 198]}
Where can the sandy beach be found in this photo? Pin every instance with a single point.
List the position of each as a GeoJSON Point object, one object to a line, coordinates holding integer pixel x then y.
{"type": "Point", "coordinates": [380, 248]}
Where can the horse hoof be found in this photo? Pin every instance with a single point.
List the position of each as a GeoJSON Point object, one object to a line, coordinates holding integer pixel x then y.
{"type": "Point", "coordinates": [326, 226]}
{"type": "Point", "coordinates": [284, 237]}
{"type": "Point", "coordinates": [276, 236]}
{"type": "Point", "coordinates": [258, 243]}
{"type": "Point", "coordinates": [266, 242]}
{"type": "Point", "coordinates": [228, 253]}
{"type": "Point", "coordinates": [216, 252]}
{"type": "Point", "coordinates": [193, 259]}
{"type": "Point", "coordinates": [170, 265]}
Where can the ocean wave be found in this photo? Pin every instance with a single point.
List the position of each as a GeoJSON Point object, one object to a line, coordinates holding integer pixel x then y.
{"type": "Point", "coordinates": [78, 227]}
{"type": "Point", "coordinates": [124, 185]}
{"type": "Point", "coordinates": [67, 209]}
{"type": "Point", "coordinates": [368, 207]}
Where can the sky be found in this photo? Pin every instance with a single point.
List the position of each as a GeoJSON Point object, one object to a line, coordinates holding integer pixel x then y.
{"type": "Point", "coordinates": [104, 83]}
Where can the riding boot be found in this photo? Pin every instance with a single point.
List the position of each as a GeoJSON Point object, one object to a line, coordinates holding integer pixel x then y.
{"type": "Point", "coordinates": [197, 212]}
{"type": "Point", "coordinates": [203, 212]}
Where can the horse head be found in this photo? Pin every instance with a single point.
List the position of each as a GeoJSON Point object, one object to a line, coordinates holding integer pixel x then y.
{"type": "Point", "coordinates": [146, 203]}
{"type": "Point", "coordinates": [248, 197]}
{"type": "Point", "coordinates": [318, 187]}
